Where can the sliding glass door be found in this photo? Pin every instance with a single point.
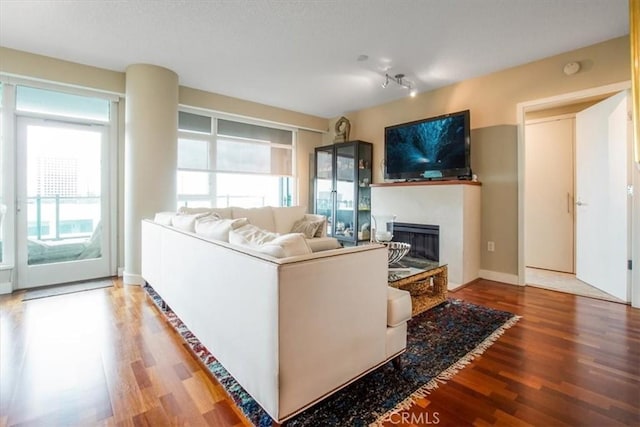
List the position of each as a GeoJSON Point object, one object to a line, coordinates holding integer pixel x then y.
{"type": "Point", "coordinates": [62, 201]}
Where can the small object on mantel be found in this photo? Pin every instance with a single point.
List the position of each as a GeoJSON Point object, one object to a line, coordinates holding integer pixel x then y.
{"type": "Point", "coordinates": [342, 128]}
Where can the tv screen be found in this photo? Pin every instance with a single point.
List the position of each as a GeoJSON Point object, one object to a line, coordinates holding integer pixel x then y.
{"type": "Point", "coordinates": [433, 148]}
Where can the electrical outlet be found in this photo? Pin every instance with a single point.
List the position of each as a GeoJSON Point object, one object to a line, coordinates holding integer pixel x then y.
{"type": "Point", "coordinates": [491, 246]}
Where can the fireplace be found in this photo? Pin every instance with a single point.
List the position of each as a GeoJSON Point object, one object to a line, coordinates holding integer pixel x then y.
{"type": "Point", "coordinates": [424, 239]}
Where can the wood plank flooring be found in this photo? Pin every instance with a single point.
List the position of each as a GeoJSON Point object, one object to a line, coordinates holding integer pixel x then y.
{"type": "Point", "coordinates": [107, 357]}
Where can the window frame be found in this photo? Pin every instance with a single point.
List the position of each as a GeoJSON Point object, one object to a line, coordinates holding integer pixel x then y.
{"type": "Point", "coordinates": [212, 138]}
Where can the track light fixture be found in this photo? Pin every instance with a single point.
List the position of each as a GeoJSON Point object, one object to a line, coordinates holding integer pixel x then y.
{"type": "Point", "coordinates": [399, 80]}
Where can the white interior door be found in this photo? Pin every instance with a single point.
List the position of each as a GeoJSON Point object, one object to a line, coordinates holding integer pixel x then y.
{"type": "Point", "coordinates": [62, 202]}
{"type": "Point", "coordinates": [549, 215]}
{"type": "Point", "coordinates": [602, 203]}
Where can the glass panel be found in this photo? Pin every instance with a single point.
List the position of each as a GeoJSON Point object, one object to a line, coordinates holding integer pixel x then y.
{"type": "Point", "coordinates": [254, 132]}
{"type": "Point", "coordinates": [63, 194]}
{"type": "Point", "coordinates": [345, 191]}
{"type": "Point", "coordinates": [3, 207]}
{"type": "Point", "coordinates": [363, 226]}
{"type": "Point", "coordinates": [324, 202]}
{"type": "Point", "coordinates": [243, 147]}
{"type": "Point", "coordinates": [193, 202]}
{"type": "Point", "coordinates": [62, 104]}
{"type": "Point", "coordinates": [194, 122]}
{"type": "Point", "coordinates": [193, 154]}
{"type": "Point", "coordinates": [193, 183]}
{"type": "Point", "coordinates": [249, 190]}
{"type": "Point", "coordinates": [324, 165]}
{"type": "Point", "coordinates": [240, 156]}
{"type": "Point", "coordinates": [323, 199]}
{"type": "Point", "coordinates": [345, 209]}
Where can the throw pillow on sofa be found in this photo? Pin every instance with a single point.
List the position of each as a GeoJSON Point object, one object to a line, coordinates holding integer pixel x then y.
{"type": "Point", "coordinates": [307, 227]}
{"type": "Point", "coordinates": [322, 230]}
{"type": "Point", "coordinates": [214, 227]}
{"type": "Point", "coordinates": [287, 245]}
{"type": "Point", "coordinates": [250, 235]}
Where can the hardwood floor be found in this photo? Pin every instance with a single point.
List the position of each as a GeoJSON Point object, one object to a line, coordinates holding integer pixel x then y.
{"type": "Point", "coordinates": [107, 357]}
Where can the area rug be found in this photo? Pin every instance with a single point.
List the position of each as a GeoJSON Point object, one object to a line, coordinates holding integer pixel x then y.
{"type": "Point", "coordinates": [68, 288]}
{"type": "Point", "coordinates": [440, 342]}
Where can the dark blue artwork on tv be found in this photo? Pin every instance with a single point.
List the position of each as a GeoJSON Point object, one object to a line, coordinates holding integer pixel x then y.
{"type": "Point", "coordinates": [437, 147]}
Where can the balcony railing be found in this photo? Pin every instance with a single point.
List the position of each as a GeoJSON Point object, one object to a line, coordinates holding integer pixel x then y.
{"type": "Point", "coordinates": [60, 217]}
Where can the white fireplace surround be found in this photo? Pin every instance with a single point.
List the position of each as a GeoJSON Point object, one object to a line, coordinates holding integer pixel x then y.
{"type": "Point", "coordinates": [454, 206]}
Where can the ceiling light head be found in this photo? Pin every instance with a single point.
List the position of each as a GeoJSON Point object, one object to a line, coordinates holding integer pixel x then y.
{"type": "Point", "coordinates": [386, 82]}
{"type": "Point", "coordinates": [400, 81]}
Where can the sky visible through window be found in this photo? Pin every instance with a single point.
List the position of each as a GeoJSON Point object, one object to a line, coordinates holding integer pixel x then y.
{"type": "Point", "coordinates": [64, 171]}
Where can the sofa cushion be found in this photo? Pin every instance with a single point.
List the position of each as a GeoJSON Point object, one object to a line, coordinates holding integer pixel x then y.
{"type": "Point", "coordinates": [307, 227]}
{"type": "Point", "coordinates": [318, 244]}
{"type": "Point", "coordinates": [260, 217]}
{"type": "Point", "coordinates": [214, 227]}
{"type": "Point", "coordinates": [221, 212]}
{"type": "Point", "coordinates": [250, 235]}
{"type": "Point", "coordinates": [398, 306]}
{"type": "Point", "coordinates": [285, 216]}
{"type": "Point", "coordinates": [292, 244]}
{"type": "Point", "coordinates": [186, 222]}
{"type": "Point", "coordinates": [164, 218]}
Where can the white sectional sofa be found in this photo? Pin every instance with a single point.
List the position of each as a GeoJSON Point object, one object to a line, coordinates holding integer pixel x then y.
{"type": "Point", "coordinates": [290, 330]}
{"type": "Point", "coordinates": [279, 220]}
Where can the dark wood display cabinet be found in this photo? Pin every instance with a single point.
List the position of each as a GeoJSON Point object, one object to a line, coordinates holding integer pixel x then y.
{"type": "Point", "coordinates": [342, 190]}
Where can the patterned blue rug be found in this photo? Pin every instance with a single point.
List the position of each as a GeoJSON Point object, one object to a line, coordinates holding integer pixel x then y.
{"type": "Point", "coordinates": [440, 342]}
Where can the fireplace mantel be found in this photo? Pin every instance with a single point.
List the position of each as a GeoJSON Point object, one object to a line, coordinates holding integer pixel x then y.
{"type": "Point", "coordinates": [426, 182]}
{"type": "Point", "coordinates": [452, 205]}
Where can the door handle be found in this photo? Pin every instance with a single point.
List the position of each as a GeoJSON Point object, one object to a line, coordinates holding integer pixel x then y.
{"type": "Point", "coordinates": [568, 202]}
{"type": "Point", "coordinates": [580, 203]}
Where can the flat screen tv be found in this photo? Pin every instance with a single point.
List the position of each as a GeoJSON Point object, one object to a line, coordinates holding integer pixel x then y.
{"type": "Point", "coordinates": [433, 148]}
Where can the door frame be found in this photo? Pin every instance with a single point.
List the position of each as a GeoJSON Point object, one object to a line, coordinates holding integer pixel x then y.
{"type": "Point", "coordinates": [550, 102]}
{"type": "Point", "coordinates": [9, 159]}
{"type": "Point", "coordinates": [87, 269]}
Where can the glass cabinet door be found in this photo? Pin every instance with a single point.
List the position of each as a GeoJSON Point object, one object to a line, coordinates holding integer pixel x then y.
{"type": "Point", "coordinates": [365, 153]}
{"type": "Point", "coordinates": [324, 185]}
{"type": "Point", "coordinates": [346, 204]}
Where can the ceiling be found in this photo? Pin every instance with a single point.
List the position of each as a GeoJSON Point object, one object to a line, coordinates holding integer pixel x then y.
{"type": "Point", "coordinates": [303, 55]}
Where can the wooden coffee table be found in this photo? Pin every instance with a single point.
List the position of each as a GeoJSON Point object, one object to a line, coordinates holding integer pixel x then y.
{"type": "Point", "coordinates": [425, 280]}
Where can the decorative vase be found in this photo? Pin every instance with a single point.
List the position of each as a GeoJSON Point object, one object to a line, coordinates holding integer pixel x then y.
{"type": "Point", "coordinates": [383, 227]}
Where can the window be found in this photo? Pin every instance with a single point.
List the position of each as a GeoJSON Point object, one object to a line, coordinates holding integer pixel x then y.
{"type": "Point", "coordinates": [3, 207]}
{"type": "Point", "coordinates": [43, 101]}
{"type": "Point", "coordinates": [223, 163]}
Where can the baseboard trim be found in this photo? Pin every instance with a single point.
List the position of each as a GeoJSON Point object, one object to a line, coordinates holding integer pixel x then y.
{"type": "Point", "coordinates": [120, 271]}
{"type": "Point", "coordinates": [132, 279]}
{"type": "Point", "coordinates": [6, 288]}
{"type": "Point", "coordinates": [454, 286]}
{"type": "Point", "coordinates": [497, 276]}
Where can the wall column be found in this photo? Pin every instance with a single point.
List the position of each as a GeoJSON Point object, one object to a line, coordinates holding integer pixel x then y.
{"type": "Point", "coordinates": [150, 154]}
